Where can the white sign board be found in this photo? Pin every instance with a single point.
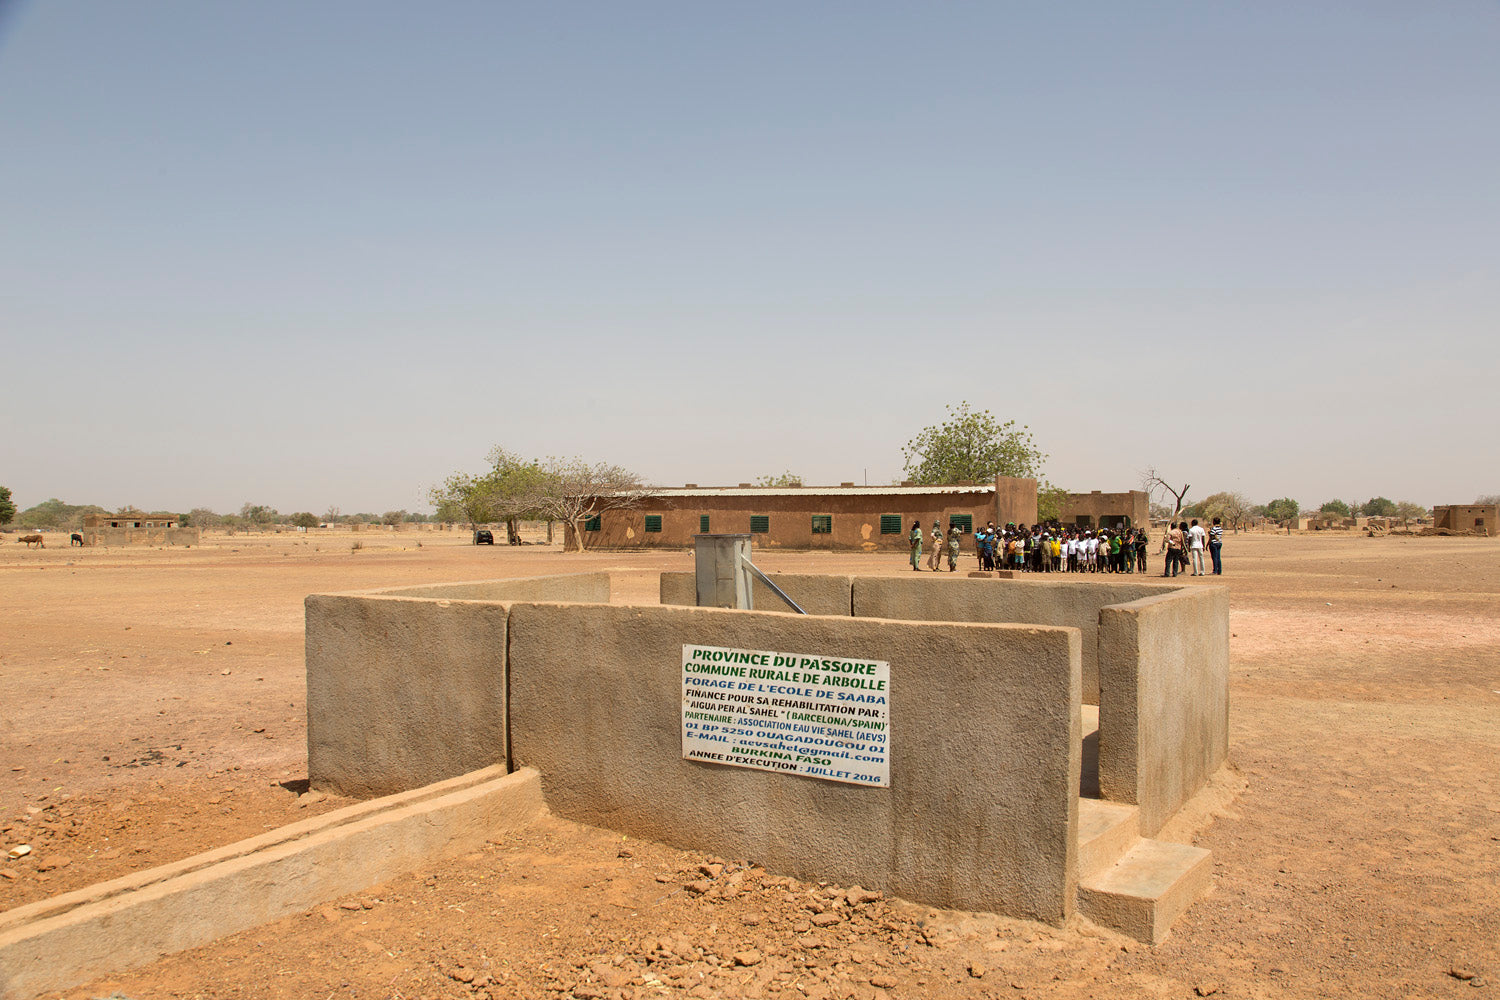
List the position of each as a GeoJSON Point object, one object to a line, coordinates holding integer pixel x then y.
{"type": "Point", "coordinates": [798, 713]}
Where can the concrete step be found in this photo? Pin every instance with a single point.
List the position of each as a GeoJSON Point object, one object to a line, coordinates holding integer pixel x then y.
{"type": "Point", "coordinates": [1106, 830]}
{"type": "Point", "coordinates": [1147, 889]}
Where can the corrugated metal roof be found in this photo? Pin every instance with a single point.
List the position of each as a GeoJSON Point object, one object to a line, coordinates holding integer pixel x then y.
{"type": "Point", "coordinates": [818, 491]}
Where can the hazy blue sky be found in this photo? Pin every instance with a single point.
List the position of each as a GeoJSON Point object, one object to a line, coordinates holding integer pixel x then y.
{"type": "Point", "coordinates": [305, 254]}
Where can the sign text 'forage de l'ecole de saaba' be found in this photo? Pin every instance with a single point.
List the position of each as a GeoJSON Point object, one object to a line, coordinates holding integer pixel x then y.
{"type": "Point", "coordinates": [820, 716]}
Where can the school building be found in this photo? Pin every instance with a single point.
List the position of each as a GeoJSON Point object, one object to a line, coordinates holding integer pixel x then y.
{"type": "Point", "coordinates": [845, 517]}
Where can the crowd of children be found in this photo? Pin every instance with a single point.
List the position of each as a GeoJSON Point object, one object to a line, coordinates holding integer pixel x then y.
{"type": "Point", "coordinates": [1055, 549]}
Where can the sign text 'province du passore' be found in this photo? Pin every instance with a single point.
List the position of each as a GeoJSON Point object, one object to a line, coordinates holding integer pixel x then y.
{"type": "Point", "coordinates": [821, 716]}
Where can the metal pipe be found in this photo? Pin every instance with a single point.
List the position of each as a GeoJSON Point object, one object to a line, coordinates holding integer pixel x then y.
{"type": "Point", "coordinates": [774, 589]}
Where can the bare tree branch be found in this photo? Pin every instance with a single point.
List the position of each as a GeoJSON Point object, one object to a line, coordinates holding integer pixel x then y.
{"type": "Point", "coordinates": [1153, 482]}
{"type": "Point", "coordinates": [573, 491]}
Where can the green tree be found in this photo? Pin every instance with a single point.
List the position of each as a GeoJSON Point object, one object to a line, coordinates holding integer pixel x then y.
{"type": "Point", "coordinates": [1283, 509]}
{"type": "Point", "coordinates": [258, 515]}
{"type": "Point", "coordinates": [447, 512]}
{"type": "Point", "coordinates": [515, 484]}
{"type": "Point", "coordinates": [305, 519]}
{"type": "Point", "coordinates": [1378, 507]}
{"type": "Point", "coordinates": [507, 492]}
{"type": "Point", "coordinates": [7, 506]}
{"type": "Point", "coordinates": [785, 480]}
{"type": "Point", "coordinates": [53, 513]}
{"type": "Point", "coordinates": [1050, 501]}
{"type": "Point", "coordinates": [1230, 508]}
{"type": "Point", "coordinates": [1335, 507]}
{"type": "Point", "coordinates": [393, 517]}
{"type": "Point", "coordinates": [1408, 511]}
{"type": "Point", "coordinates": [464, 497]}
{"type": "Point", "coordinates": [202, 517]}
{"type": "Point", "coordinates": [971, 446]}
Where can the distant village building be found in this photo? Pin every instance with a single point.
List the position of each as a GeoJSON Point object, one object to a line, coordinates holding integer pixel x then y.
{"type": "Point", "coordinates": [137, 529]}
{"type": "Point", "coordinates": [844, 517]}
{"type": "Point", "coordinates": [1324, 522]}
{"type": "Point", "coordinates": [1107, 510]}
{"type": "Point", "coordinates": [1481, 518]}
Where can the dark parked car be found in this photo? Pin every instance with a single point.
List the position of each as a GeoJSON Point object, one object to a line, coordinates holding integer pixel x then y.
{"type": "Point", "coordinates": [484, 537]}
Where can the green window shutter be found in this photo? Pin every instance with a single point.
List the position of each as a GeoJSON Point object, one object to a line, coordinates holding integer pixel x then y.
{"type": "Point", "coordinates": [592, 524]}
{"type": "Point", "coordinates": [702, 524]}
{"type": "Point", "coordinates": [653, 522]}
{"type": "Point", "coordinates": [822, 524]}
{"type": "Point", "coordinates": [964, 522]}
{"type": "Point", "coordinates": [760, 524]}
{"type": "Point", "coordinates": [890, 524]}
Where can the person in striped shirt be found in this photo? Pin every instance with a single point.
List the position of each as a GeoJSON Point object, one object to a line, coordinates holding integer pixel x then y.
{"type": "Point", "coordinates": [1215, 544]}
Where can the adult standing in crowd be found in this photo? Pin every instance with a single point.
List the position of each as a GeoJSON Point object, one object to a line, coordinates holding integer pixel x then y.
{"type": "Point", "coordinates": [983, 540]}
{"type": "Point", "coordinates": [916, 545]}
{"type": "Point", "coordinates": [955, 539]}
{"type": "Point", "coordinates": [1176, 539]}
{"type": "Point", "coordinates": [1197, 542]}
{"type": "Point", "coordinates": [935, 561]}
{"type": "Point", "coordinates": [1216, 546]}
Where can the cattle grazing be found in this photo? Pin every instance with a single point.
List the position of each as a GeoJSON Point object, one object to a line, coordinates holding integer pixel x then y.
{"type": "Point", "coordinates": [77, 539]}
{"type": "Point", "coordinates": [32, 539]}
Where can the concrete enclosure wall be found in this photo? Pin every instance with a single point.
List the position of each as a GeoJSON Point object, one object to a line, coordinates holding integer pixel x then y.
{"type": "Point", "coordinates": [1035, 602]}
{"type": "Point", "coordinates": [981, 812]}
{"type": "Point", "coordinates": [1069, 604]}
{"type": "Point", "coordinates": [817, 595]}
{"type": "Point", "coordinates": [405, 690]}
{"type": "Point", "coordinates": [1164, 710]}
{"type": "Point", "coordinates": [577, 588]}
{"type": "Point", "coordinates": [402, 692]}
{"type": "Point", "coordinates": [987, 679]}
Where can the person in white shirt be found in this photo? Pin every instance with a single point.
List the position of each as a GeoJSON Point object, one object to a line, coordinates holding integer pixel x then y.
{"type": "Point", "coordinates": [1196, 544]}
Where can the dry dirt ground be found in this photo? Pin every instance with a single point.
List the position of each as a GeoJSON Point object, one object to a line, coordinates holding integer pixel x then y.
{"type": "Point", "coordinates": [154, 707]}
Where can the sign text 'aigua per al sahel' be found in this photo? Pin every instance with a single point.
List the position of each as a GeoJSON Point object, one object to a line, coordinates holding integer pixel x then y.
{"type": "Point", "coordinates": [798, 713]}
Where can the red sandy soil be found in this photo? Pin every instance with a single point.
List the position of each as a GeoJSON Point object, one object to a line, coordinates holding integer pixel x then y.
{"type": "Point", "coordinates": [154, 707]}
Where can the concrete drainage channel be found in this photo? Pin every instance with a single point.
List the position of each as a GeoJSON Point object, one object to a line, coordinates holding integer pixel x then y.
{"type": "Point", "coordinates": [128, 922]}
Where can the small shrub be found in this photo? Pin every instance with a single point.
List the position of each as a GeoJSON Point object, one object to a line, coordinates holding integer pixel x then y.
{"type": "Point", "coordinates": [356, 546]}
